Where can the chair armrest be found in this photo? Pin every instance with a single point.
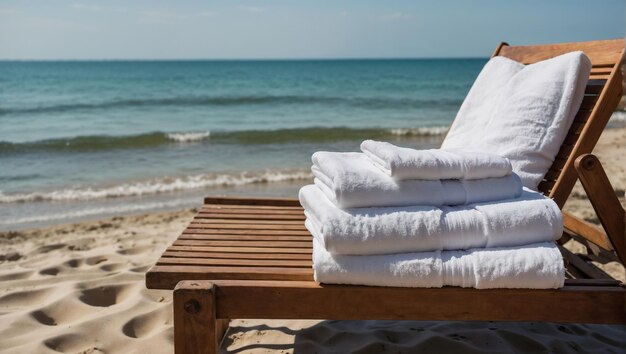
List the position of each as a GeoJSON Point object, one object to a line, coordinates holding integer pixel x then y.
{"type": "Point", "coordinates": [604, 201]}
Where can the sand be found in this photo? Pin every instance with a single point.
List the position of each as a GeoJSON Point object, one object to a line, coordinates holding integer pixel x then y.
{"type": "Point", "coordinates": [80, 289]}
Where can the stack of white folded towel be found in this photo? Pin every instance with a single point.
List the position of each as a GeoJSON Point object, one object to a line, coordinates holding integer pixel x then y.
{"type": "Point", "coordinates": [460, 215]}
{"type": "Point", "coordinates": [392, 216]}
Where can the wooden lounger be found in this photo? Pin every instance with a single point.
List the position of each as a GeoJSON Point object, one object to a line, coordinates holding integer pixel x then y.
{"type": "Point", "coordinates": [251, 258]}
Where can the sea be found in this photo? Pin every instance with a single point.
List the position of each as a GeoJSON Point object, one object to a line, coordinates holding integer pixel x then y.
{"type": "Point", "coordinates": [91, 139]}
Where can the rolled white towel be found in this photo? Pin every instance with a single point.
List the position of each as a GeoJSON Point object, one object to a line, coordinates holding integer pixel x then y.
{"type": "Point", "coordinates": [405, 163]}
{"type": "Point", "coordinates": [350, 180]}
{"type": "Point", "coordinates": [534, 266]}
{"type": "Point", "coordinates": [531, 218]}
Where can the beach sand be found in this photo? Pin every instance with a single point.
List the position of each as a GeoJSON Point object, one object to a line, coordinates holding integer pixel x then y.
{"type": "Point", "coordinates": [80, 289]}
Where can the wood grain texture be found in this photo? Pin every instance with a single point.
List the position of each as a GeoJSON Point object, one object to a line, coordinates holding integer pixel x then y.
{"type": "Point", "coordinates": [195, 329]}
{"type": "Point", "coordinates": [573, 303]}
{"type": "Point", "coordinates": [601, 53]}
{"type": "Point", "coordinates": [604, 201]}
{"type": "Point", "coordinates": [586, 230]}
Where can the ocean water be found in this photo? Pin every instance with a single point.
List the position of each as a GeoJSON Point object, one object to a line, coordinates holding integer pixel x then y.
{"type": "Point", "coordinates": [99, 138]}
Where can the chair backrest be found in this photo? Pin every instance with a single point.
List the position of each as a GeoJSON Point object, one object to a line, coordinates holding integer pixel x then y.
{"type": "Point", "coordinates": [603, 93]}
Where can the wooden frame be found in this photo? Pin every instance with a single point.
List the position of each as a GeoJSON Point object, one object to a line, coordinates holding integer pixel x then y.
{"type": "Point", "coordinates": [251, 257]}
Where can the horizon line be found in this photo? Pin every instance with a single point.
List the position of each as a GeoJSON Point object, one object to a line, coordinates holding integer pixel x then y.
{"type": "Point", "coordinates": [240, 59]}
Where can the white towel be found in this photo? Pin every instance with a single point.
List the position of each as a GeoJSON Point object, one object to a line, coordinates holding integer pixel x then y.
{"type": "Point", "coordinates": [350, 180]}
{"type": "Point", "coordinates": [531, 218]}
{"type": "Point", "coordinates": [404, 163]}
{"type": "Point", "coordinates": [535, 266]}
{"type": "Point", "coordinates": [531, 113]}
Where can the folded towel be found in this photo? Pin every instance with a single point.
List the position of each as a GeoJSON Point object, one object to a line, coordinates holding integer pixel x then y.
{"type": "Point", "coordinates": [350, 180]}
{"type": "Point", "coordinates": [404, 163]}
{"type": "Point", "coordinates": [531, 113]}
{"type": "Point", "coordinates": [528, 219]}
{"type": "Point", "coordinates": [535, 266]}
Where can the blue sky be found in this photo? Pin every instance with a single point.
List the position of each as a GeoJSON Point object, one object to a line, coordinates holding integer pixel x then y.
{"type": "Point", "coordinates": [195, 29]}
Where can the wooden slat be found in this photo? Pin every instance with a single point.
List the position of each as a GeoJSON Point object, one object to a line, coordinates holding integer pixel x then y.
{"type": "Point", "coordinates": [245, 243]}
{"type": "Point", "coordinates": [285, 299]}
{"type": "Point", "coordinates": [599, 52]}
{"type": "Point", "coordinates": [195, 225]}
{"type": "Point", "coordinates": [242, 237]}
{"type": "Point", "coordinates": [592, 282]}
{"type": "Point", "coordinates": [250, 216]}
{"type": "Point", "coordinates": [599, 76]}
{"type": "Point", "coordinates": [255, 211]}
{"type": "Point", "coordinates": [236, 262]}
{"type": "Point", "coordinates": [204, 231]}
{"type": "Point", "coordinates": [211, 221]}
{"type": "Point", "coordinates": [552, 175]}
{"type": "Point", "coordinates": [588, 103]}
{"type": "Point", "coordinates": [582, 116]}
{"type": "Point", "coordinates": [239, 249]}
{"type": "Point", "coordinates": [571, 138]}
{"type": "Point", "coordinates": [586, 230]}
{"type": "Point", "coordinates": [565, 151]}
{"type": "Point", "coordinates": [595, 86]}
{"type": "Point", "coordinates": [261, 204]}
{"type": "Point", "coordinates": [546, 186]}
{"type": "Point", "coordinates": [289, 202]}
{"type": "Point", "coordinates": [589, 270]}
{"type": "Point", "coordinates": [603, 70]}
{"type": "Point", "coordinates": [167, 276]}
{"type": "Point", "coordinates": [172, 252]}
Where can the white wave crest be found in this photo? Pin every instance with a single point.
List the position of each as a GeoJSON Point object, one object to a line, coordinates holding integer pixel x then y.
{"type": "Point", "coordinates": [189, 136]}
{"type": "Point", "coordinates": [423, 131]}
{"type": "Point", "coordinates": [159, 185]}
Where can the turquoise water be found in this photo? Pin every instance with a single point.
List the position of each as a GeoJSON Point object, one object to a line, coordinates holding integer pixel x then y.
{"type": "Point", "coordinates": [87, 139]}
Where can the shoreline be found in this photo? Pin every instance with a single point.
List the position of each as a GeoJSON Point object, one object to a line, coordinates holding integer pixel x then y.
{"type": "Point", "coordinates": [79, 287]}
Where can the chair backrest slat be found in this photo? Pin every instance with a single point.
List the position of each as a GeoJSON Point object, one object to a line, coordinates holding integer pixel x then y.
{"type": "Point", "coordinates": [602, 95]}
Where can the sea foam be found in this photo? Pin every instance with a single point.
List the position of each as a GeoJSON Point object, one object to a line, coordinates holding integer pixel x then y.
{"type": "Point", "coordinates": [158, 186]}
{"type": "Point", "coordinates": [188, 136]}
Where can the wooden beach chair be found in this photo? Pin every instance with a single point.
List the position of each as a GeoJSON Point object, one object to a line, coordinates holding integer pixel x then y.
{"type": "Point", "coordinates": [251, 257]}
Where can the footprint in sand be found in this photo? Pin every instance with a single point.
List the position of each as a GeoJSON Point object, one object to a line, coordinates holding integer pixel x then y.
{"type": "Point", "coordinates": [140, 269]}
{"type": "Point", "coordinates": [64, 311]}
{"type": "Point", "coordinates": [135, 250]}
{"type": "Point", "coordinates": [113, 267]}
{"type": "Point", "coordinates": [16, 275]}
{"type": "Point", "coordinates": [95, 260]}
{"type": "Point", "coordinates": [50, 271]}
{"type": "Point", "coordinates": [107, 295]}
{"type": "Point", "coordinates": [26, 297]}
{"type": "Point", "coordinates": [74, 263]}
{"type": "Point", "coordinates": [48, 248]}
{"type": "Point", "coordinates": [70, 343]}
{"type": "Point", "coordinates": [148, 323]}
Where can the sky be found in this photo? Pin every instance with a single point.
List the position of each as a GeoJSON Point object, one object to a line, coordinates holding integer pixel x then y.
{"type": "Point", "coordinates": [257, 29]}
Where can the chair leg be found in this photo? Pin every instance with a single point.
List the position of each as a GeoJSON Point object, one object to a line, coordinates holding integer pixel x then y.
{"type": "Point", "coordinates": [196, 330]}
